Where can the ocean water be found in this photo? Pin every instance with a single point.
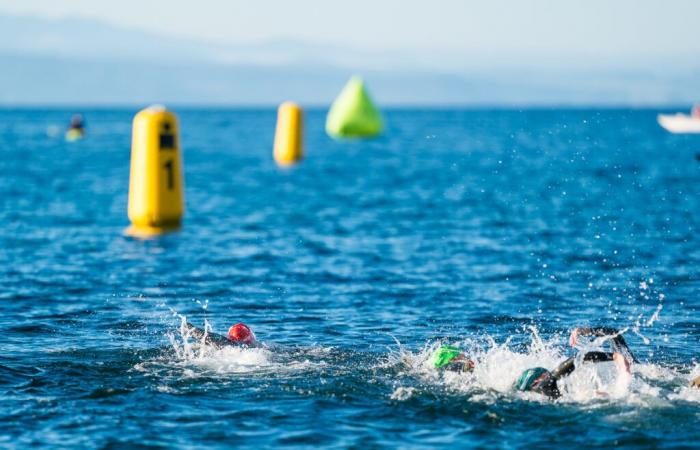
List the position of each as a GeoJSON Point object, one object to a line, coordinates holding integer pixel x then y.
{"type": "Point", "coordinates": [496, 230]}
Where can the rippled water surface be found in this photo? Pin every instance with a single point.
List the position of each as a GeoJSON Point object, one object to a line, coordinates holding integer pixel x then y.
{"type": "Point", "coordinates": [495, 230]}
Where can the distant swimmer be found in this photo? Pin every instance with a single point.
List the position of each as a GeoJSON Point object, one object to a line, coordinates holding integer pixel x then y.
{"type": "Point", "coordinates": [451, 358]}
{"type": "Point", "coordinates": [77, 123]}
{"type": "Point", "coordinates": [543, 381]}
{"type": "Point", "coordinates": [239, 335]}
{"type": "Point", "coordinates": [76, 129]}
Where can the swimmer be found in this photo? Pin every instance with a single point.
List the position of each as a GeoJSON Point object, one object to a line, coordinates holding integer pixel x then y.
{"type": "Point", "coordinates": [76, 129]}
{"type": "Point", "coordinates": [695, 383]}
{"type": "Point", "coordinates": [239, 335]}
{"type": "Point", "coordinates": [543, 381]}
{"type": "Point", "coordinates": [77, 123]}
{"type": "Point", "coordinates": [451, 358]}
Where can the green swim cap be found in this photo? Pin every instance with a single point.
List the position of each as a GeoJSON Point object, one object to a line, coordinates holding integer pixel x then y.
{"type": "Point", "coordinates": [444, 355]}
{"type": "Point", "coordinates": [528, 378]}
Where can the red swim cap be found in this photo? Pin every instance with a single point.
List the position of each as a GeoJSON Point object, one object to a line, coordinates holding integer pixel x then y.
{"type": "Point", "coordinates": [241, 333]}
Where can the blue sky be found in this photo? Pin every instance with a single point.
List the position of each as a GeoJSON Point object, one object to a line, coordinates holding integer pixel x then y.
{"type": "Point", "coordinates": [544, 32]}
{"type": "Point", "coordinates": [444, 52]}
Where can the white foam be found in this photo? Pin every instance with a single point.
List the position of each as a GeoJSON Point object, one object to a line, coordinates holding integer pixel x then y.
{"type": "Point", "coordinates": [232, 360]}
{"type": "Point", "coordinates": [498, 367]}
{"type": "Point", "coordinates": [192, 358]}
{"type": "Point", "coordinates": [686, 394]}
{"type": "Point", "coordinates": [403, 393]}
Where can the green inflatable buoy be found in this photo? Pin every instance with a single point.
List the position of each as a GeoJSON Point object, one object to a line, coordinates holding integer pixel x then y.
{"type": "Point", "coordinates": [353, 114]}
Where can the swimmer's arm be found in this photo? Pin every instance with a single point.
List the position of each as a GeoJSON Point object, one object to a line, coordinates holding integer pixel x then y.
{"type": "Point", "coordinates": [564, 369]}
{"type": "Point", "coordinates": [619, 343]}
{"type": "Point", "coordinates": [568, 366]}
{"type": "Point", "coordinates": [211, 338]}
{"type": "Point", "coordinates": [621, 361]}
{"type": "Point", "coordinates": [591, 331]}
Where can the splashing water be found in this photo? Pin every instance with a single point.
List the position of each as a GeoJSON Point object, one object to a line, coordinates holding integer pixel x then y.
{"type": "Point", "coordinates": [497, 367]}
{"type": "Point", "coordinates": [194, 357]}
{"type": "Point", "coordinates": [222, 360]}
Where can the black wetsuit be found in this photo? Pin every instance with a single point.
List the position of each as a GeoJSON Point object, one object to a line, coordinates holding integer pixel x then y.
{"type": "Point", "coordinates": [548, 384]}
{"type": "Point", "coordinates": [213, 339]}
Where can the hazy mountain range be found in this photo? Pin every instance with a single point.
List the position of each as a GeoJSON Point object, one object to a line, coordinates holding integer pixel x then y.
{"type": "Point", "coordinates": [78, 61]}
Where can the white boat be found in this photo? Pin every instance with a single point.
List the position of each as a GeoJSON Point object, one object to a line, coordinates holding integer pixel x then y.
{"type": "Point", "coordinates": [679, 123]}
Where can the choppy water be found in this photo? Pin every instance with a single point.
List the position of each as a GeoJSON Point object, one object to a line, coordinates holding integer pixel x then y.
{"type": "Point", "coordinates": [495, 230]}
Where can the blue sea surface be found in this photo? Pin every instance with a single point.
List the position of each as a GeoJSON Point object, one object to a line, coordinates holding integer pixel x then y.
{"type": "Point", "coordinates": [496, 230]}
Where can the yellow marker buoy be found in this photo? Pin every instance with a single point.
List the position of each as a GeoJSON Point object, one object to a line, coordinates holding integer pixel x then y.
{"type": "Point", "coordinates": [156, 201]}
{"type": "Point", "coordinates": [289, 134]}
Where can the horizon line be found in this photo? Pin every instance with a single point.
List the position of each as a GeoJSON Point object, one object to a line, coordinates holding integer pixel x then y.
{"type": "Point", "coordinates": [393, 106]}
